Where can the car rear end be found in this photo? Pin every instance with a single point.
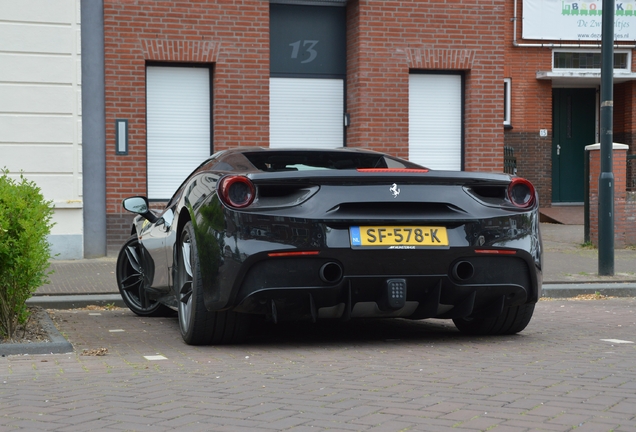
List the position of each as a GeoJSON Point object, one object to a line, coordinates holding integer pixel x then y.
{"type": "Point", "coordinates": [378, 242]}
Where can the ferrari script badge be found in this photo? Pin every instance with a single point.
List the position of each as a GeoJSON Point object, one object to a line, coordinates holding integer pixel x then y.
{"type": "Point", "coordinates": [394, 190]}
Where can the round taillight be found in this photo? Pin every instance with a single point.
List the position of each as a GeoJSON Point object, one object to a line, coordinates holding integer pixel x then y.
{"type": "Point", "coordinates": [236, 191]}
{"type": "Point", "coordinates": [521, 192]}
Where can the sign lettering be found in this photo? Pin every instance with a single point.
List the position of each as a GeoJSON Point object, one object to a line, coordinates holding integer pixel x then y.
{"type": "Point", "coordinates": [576, 20]}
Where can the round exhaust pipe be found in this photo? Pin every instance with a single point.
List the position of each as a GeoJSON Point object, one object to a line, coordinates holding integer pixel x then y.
{"type": "Point", "coordinates": [331, 272]}
{"type": "Point", "coordinates": [463, 270]}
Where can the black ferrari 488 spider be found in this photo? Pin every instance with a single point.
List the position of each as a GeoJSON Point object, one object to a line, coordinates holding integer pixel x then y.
{"type": "Point", "coordinates": [347, 233]}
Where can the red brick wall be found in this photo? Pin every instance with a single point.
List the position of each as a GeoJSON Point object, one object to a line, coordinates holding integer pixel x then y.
{"type": "Point", "coordinates": [532, 106]}
{"type": "Point", "coordinates": [386, 39]}
{"type": "Point", "coordinates": [624, 202]}
{"type": "Point", "coordinates": [230, 36]}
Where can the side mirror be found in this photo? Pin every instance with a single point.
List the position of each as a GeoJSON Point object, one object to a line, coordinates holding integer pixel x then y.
{"type": "Point", "coordinates": [139, 205]}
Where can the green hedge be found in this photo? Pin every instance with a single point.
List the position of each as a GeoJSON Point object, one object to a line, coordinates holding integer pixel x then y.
{"type": "Point", "coordinates": [25, 222]}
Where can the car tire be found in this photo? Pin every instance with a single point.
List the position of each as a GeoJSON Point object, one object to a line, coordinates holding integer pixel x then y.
{"type": "Point", "coordinates": [198, 325]}
{"type": "Point", "coordinates": [132, 282]}
{"type": "Point", "coordinates": [511, 321]}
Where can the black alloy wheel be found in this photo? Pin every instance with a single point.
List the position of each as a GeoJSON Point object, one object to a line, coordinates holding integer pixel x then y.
{"type": "Point", "coordinates": [132, 282]}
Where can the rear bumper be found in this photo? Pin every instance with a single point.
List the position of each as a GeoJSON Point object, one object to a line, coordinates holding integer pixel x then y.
{"type": "Point", "coordinates": [460, 277]}
{"type": "Point", "coordinates": [450, 285]}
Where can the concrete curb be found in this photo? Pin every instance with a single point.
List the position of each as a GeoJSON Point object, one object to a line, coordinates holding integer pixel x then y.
{"type": "Point", "coordinates": [57, 343]}
{"type": "Point", "coordinates": [551, 290]}
{"type": "Point", "coordinates": [76, 301]}
{"type": "Point", "coordinates": [566, 290]}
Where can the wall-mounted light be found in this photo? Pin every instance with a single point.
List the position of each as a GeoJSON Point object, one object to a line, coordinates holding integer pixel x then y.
{"type": "Point", "coordinates": [347, 119]}
{"type": "Point", "coordinates": [121, 137]}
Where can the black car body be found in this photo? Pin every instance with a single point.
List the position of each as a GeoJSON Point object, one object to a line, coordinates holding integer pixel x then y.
{"type": "Point", "coordinates": [334, 234]}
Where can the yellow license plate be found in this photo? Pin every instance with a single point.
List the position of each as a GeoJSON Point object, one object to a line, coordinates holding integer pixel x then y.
{"type": "Point", "coordinates": [398, 236]}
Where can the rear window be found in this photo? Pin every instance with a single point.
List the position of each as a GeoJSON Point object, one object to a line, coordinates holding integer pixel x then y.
{"type": "Point", "coordinates": [272, 161]}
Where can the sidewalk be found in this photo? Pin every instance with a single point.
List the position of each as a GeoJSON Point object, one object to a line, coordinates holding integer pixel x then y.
{"type": "Point", "coordinates": [566, 261]}
{"type": "Point", "coordinates": [569, 270]}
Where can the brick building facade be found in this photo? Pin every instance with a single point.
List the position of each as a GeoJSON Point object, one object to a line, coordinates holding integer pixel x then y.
{"type": "Point", "coordinates": [387, 42]}
{"type": "Point", "coordinates": [554, 87]}
{"type": "Point", "coordinates": [230, 37]}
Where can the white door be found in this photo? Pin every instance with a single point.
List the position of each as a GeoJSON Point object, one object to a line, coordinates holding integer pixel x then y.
{"type": "Point", "coordinates": [306, 112]}
{"type": "Point", "coordinates": [435, 121]}
{"type": "Point", "coordinates": [178, 125]}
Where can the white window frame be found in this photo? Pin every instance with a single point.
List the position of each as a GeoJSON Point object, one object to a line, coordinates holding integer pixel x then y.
{"type": "Point", "coordinates": [628, 69]}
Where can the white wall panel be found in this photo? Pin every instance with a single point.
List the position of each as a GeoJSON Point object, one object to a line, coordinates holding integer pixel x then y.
{"type": "Point", "coordinates": [37, 99]}
{"type": "Point", "coordinates": [36, 38]}
{"type": "Point", "coordinates": [37, 69]}
{"type": "Point", "coordinates": [41, 159]}
{"type": "Point", "coordinates": [435, 121]}
{"type": "Point", "coordinates": [306, 112]}
{"type": "Point", "coordinates": [69, 221]}
{"type": "Point", "coordinates": [57, 188]}
{"type": "Point", "coordinates": [36, 129]}
{"type": "Point", "coordinates": [33, 11]}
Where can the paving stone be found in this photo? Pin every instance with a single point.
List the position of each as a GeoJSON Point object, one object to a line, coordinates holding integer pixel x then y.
{"type": "Point", "coordinates": [555, 375]}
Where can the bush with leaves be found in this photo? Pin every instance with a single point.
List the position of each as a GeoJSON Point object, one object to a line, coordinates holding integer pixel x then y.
{"type": "Point", "coordinates": [25, 222]}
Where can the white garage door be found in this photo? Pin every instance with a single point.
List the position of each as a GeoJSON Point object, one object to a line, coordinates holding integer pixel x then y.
{"type": "Point", "coordinates": [178, 125]}
{"type": "Point", "coordinates": [435, 121]}
{"type": "Point", "coordinates": [306, 112]}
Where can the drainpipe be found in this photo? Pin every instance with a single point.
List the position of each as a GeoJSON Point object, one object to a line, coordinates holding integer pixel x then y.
{"type": "Point", "coordinates": [553, 45]}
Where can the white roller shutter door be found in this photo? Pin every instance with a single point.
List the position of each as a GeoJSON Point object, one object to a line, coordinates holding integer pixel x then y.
{"type": "Point", "coordinates": [435, 121]}
{"type": "Point", "coordinates": [178, 125]}
{"type": "Point", "coordinates": [306, 112]}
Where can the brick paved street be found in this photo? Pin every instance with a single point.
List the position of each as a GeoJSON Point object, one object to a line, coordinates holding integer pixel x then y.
{"type": "Point", "coordinates": [557, 375]}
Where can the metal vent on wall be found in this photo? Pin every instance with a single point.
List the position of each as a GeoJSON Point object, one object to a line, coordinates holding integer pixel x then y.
{"type": "Point", "coordinates": [312, 2]}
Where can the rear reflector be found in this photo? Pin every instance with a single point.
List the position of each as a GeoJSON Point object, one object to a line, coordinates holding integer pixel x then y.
{"type": "Point", "coordinates": [496, 251]}
{"type": "Point", "coordinates": [391, 170]}
{"type": "Point", "coordinates": [295, 253]}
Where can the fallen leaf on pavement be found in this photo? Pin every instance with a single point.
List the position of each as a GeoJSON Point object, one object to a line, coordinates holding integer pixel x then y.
{"type": "Point", "coordinates": [95, 352]}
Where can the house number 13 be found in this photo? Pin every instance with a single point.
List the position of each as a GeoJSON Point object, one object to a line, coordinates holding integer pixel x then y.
{"type": "Point", "coordinates": [312, 52]}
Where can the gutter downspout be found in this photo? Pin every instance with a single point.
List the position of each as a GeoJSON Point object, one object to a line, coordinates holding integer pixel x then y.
{"type": "Point", "coordinates": [553, 45]}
